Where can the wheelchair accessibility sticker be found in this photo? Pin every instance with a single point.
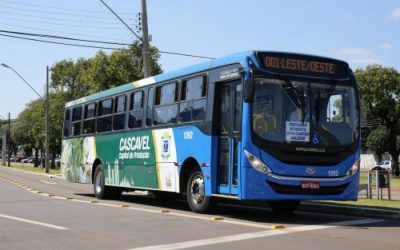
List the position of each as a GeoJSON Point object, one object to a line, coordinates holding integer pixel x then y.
{"type": "Point", "coordinates": [316, 139]}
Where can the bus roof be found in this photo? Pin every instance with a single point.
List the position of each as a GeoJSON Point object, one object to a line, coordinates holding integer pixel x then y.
{"type": "Point", "coordinates": [226, 60]}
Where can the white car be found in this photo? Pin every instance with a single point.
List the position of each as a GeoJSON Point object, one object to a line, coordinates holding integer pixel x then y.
{"type": "Point", "coordinates": [387, 165]}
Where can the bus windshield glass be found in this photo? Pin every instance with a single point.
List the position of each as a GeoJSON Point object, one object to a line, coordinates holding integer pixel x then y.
{"type": "Point", "coordinates": [306, 113]}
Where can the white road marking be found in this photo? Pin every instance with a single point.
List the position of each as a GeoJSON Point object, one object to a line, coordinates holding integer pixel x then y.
{"type": "Point", "coordinates": [33, 222]}
{"type": "Point", "coordinates": [48, 182]}
{"type": "Point", "coordinates": [254, 235]}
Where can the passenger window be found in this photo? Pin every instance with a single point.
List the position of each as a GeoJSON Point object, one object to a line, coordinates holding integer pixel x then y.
{"type": "Point", "coordinates": [136, 100]}
{"type": "Point", "coordinates": [149, 108]}
{"type": "Point", "coordinates": [193, 99]}
{"type": "Point", "coordinates": [166, 108]}
{"type": "Point", "coordinates": [89, 122]}
{"type": "Point", "coordinates": [136, 110]}
{"type": "Point", "coordinates": [67, 122]}
{"type": "Point", "coordinates": [194, 88]}
{"type": "Point", "coordinates": [105, 107]}
{"type": "Point", "coordinates": [104, 120]}
{"type": "Point", "coordinates": [119, 113]}
{"type": "Point", "coordinates": [166, 94]}
{"type": "Point", "coordinates": [76, 121]}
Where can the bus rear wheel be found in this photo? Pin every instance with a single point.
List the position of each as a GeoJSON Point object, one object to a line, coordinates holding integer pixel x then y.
{"type": "Point", "coordinates": [101, 191]}
{"type": "Point", "coordinates": [198, 201]}
{"type": "Point", "coordinates": [284, 207]}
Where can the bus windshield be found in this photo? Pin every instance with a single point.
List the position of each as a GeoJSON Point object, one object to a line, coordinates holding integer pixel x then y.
{"type": "Point", "coordinates": [306, 113]}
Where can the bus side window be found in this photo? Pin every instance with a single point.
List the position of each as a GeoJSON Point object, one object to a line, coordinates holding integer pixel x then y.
{"type": "Point", "coordinates": [193, 99]}
{"type": "Point", "coordinates": [136, 110]}
{"type": "Point", "coordinates": [67, 123]}
{"type": "Point", "coordinates": [104, 120]}
{"type": "Point", "coordinates": [76, 121]}
{"type": "Point", "coordinates": [119, 113]}
{"type": "Point", "coordinates": [166, 105]}
{"type": "Point", "coordinates": [89, 118]}
{"type": "Point", "coordinates": [149, 108]}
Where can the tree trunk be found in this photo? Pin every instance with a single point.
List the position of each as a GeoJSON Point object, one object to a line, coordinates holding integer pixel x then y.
{"type": "Point", "coordinates": [36, 159]}
{"type": "Point", "coordinates": [53, 159]}
{"type": "Point", "coordinates": [395, 163]}
{"type": "Point", "coordinates": [394, 152]}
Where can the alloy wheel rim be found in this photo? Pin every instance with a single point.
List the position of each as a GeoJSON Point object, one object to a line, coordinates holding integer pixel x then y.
{"type": "Point", "coordinates": [197, 189]}
{"type": "Point", "coordinates": [99, 182]}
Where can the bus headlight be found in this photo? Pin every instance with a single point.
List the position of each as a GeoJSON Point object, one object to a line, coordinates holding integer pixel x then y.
{"type": "Point", "coordinates": [353, 169]}
{"type": "Point", "coordinates": [257, 164]}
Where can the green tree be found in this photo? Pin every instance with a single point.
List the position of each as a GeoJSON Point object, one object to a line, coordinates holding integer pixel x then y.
{"type": "Point", "coordinates": [380, 91]}
{"type": "Point", "coordinates": [377, 141]}
{"type": "Point", "coordinates": [103, 71]}
{"type": "Point", "coordinates": [71, 80]}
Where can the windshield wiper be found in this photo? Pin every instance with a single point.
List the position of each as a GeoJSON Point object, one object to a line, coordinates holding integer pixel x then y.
{"type": "Point", "coordinates": [325, 102]}
{"type": "Point", "coordinates": [296, 94]}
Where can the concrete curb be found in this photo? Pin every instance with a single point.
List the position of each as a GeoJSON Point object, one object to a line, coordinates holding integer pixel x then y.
{"type": "Point", "coordinates": [57, 176]}
{"type": "Point", "coordinates": [350, 210]}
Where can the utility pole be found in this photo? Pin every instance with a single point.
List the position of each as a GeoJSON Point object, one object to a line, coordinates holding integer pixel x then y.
{"type": "Point", "coordinates": [9, 138]}
{"type": "Point", "coordinates": [145, 41]}
{"type": "Point", "coordinates": [46, 161]}
{"type": "Point", "coordinates": [4, 146]}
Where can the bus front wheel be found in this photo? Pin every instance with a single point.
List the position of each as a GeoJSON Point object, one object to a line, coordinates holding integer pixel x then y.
{"type": "Point", "coordinates": [198, 201]}
{"type": "Point", "coordinates": [101, 191]}
{"type": "Point", "coordinates": [284, 207]}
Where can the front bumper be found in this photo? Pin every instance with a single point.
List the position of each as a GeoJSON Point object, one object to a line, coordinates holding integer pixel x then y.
{"type": "Point", "coordinates": [274, 187]}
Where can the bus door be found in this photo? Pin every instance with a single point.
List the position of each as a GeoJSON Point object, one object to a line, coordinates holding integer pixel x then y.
{"type": "Point", "coordinates": [228, 101]}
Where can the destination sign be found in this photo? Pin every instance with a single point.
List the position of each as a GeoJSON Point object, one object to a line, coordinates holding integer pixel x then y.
{"type": "Point", "coordinates": [287, 63]}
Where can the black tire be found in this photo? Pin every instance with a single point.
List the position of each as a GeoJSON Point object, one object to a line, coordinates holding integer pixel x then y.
{"type": "Point", "coordinates": [101, 191]}
{"type": "Point", "coordinates": [198, 202]}
{"type": "Point", "coordinates": [284, 207]}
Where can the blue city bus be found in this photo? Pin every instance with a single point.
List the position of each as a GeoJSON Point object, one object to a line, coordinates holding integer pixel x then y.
{"type": "Point", "coordinates": [258, 125]}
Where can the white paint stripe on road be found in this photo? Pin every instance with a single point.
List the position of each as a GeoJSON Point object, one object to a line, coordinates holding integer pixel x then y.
{"type": "Point", "coordinates": [48, 182]}
{"type": "Point", "coordinates": [261, 234]}
{"type": "Point", "coordinates": [33, 222]}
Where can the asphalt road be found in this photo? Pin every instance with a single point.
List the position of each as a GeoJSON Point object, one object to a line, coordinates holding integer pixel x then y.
{"type": "Point", "coordinates": [31, 219]}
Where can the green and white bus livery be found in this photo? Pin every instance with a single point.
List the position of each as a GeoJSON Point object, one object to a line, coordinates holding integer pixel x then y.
{"type": "Point", "coordinates": [271, 126]}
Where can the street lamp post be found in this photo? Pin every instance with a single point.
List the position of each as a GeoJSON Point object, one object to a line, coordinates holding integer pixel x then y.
{"type": "Point", "coordinates": [47, 109]}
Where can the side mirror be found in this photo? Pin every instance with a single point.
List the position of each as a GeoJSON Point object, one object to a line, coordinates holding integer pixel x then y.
{"type": "Point", "coordinates": [248, 90]}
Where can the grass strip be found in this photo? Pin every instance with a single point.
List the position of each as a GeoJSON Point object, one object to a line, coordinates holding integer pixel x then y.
{"type": "Point", "coordinates": [35, 170]}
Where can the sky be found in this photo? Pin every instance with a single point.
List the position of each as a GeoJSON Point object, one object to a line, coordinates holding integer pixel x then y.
{"type": "Point", "coordinates": [361, 32]}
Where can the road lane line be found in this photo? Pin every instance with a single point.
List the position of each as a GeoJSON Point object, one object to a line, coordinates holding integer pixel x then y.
{"type": "Point", "coordinates": [48, 182]}
{"type": "Point", "coordinates": [255, 235]}
{"type": "Point", "coordinates": [178, 214]}
{"type": "Point", "coordinates": [33, 222]}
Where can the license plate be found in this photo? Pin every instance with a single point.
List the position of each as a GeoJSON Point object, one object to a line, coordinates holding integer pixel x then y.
{"type": "Point", "coordinates": [310, 184]}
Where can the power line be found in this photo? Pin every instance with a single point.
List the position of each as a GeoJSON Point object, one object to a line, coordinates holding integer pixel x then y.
{"type": "Point", "coordinates": [86, 40]}
{"type": "Point", "coordinates": [183, 54]}
{"type": "Point", "coordinates": [60, 43]}
{"type": "Point", "coordinates": [58, 8]}
{"type": "Point", "coordinates": [51, 12]}
{"type": "Point", "coordinates": [51, 30]}
{"type": "Point", "coordinates": [64, 24]}
{"type": "Point", "coordinates": [62, 37]}
{"type": "Point", "coordinates": [126, 25]}
{"type": "Point", "coordinates": [55, 18]}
